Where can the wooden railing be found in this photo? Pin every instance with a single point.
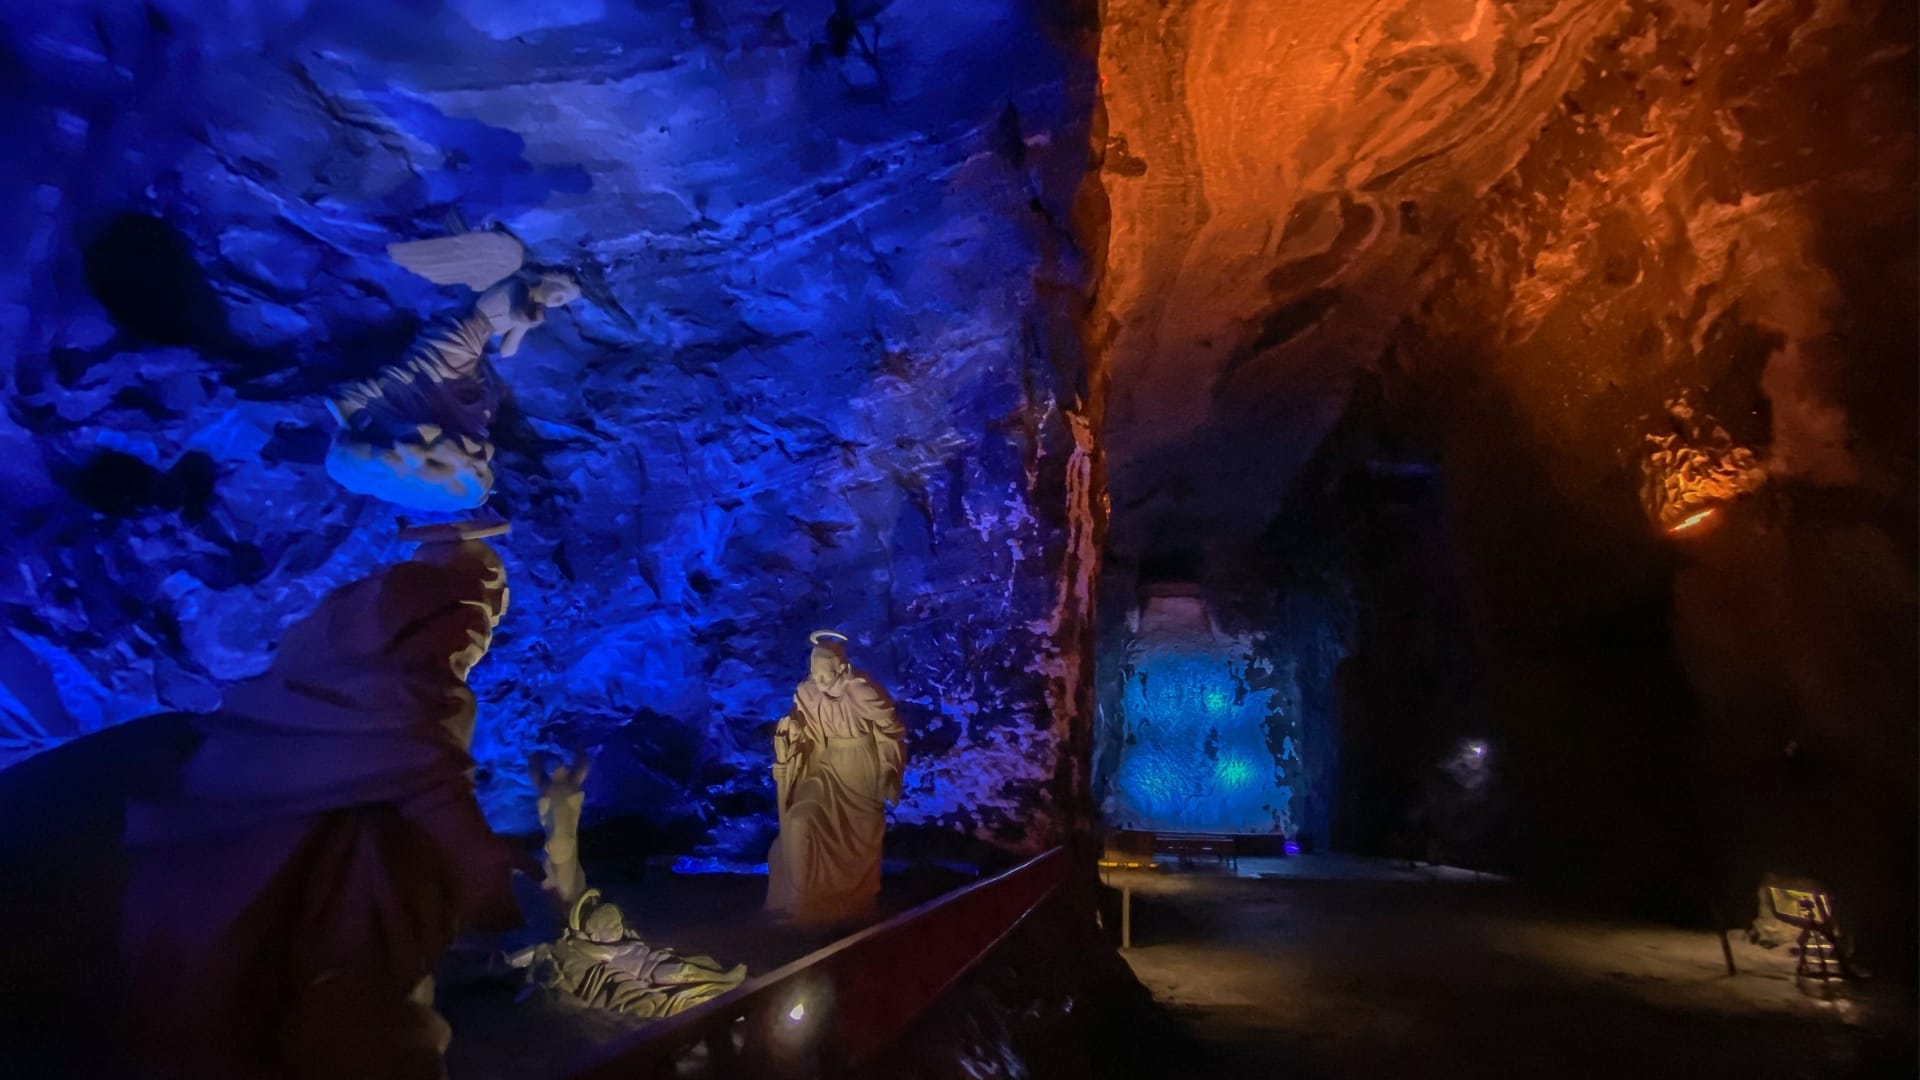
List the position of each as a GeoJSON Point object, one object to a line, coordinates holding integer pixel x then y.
{"type": "Point", "coordinates": [829, 1013]}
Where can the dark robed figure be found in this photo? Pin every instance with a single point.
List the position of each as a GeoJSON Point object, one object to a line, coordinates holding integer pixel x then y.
{"type": "Point", "coordinates": [323, 844]}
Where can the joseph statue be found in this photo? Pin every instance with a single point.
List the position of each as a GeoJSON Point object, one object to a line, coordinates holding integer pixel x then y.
{"type": "Point", "coordinates": [838, 757]}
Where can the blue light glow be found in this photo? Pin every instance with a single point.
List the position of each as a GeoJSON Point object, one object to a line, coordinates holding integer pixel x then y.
{"type": "Point", "coordinates": [1197, 755]}
{"type": "Point", "coordinates": [690, 864]}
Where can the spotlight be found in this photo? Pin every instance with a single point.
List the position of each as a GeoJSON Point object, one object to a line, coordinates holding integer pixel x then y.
{"type": "Point", "coordinates": [1696, 519]}
{"type": "Point", "coordinates": [798, 1012]}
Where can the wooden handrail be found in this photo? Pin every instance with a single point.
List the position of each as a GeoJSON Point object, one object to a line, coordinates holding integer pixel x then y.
{"type": "Point", "coordinates": [841, 1007]}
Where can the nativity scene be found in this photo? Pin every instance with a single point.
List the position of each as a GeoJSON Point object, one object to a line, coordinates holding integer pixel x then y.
{"type": "Point", "coordinates": [1371, 539]}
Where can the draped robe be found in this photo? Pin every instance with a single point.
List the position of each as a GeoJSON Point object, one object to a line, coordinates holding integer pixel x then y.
{"type": "Point", "coordinates": [629, 976]}
{"type": "Point", "coordinates": [845, 763]}
{"type": "Point", "coordinates": [320, 849]}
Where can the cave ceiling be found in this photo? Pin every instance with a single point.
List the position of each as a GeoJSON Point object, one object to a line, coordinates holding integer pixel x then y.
{"type": "Point", "coordinates": [1277, 173]}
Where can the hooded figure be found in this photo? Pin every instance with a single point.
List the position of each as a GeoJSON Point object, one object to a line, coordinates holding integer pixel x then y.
{"type": "Point", "coordinates": [323, 845]}
{"type": "Point", "coordinates": [838, 758]}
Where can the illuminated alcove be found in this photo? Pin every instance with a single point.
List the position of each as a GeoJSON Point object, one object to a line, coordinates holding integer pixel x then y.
{"type": "Point", "coordinates": [1203, 744]}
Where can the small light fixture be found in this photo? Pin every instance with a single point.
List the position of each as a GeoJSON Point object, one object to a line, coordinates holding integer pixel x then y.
{"type": "Point", "coordinates": [1696, 518]}
{"type": "Point", "coordinates": [798, 1012]}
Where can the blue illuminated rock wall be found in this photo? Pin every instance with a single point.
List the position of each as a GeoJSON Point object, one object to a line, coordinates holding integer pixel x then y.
{"type": "Point", "coordinates": [829, 388]}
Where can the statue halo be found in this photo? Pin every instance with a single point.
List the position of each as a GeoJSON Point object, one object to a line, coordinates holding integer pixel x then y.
{"type": "Point", "coordinates": [579, 908]}
{"type": "Point", "coordinates": [828, 635]}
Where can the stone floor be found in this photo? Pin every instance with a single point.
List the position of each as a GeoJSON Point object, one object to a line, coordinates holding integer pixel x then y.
{"type": "Point", "coordinates": [1331, 967]}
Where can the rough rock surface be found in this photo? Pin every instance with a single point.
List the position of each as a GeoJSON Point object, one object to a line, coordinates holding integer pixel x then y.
{"type": "Point", "coordinates": [829, 380]}
{"type": "Point", "coordinates": [1721, 208]}
{"type": "Point", "coordinates": [1531, 230]}
{"type": "Point", "coordinates": [1275, 169]}
{"type": "Point", "coordinates": [839, 380]}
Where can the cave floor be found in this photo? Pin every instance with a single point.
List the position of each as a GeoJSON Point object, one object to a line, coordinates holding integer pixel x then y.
{"type": "Point", "coordinates": [496, 1037]}
{"type": "Point", "coordinates": [1324, 966]}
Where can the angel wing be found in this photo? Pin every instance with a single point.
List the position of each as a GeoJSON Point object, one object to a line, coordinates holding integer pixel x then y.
{"type": "Point", "coordinates": [452, 532]}
{"type": "Point", "coordinates": [478, 260]}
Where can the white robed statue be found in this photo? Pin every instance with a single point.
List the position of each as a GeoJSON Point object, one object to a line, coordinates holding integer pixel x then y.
{"type": "Point", "coordinates": [560, 791]}
{"type": "Point", "coordinates": [838, 757]}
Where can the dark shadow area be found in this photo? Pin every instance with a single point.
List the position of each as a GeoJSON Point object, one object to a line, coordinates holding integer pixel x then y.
{"type": "Point", "coordinates": [1053, 1002]}
{"type": "Point", "coordinates": [1573, 629]}
{"type": "Point", "coordinates": [63, 871]}
{"type": "Point", "coordinates": [121, 485]}
{"type": "Point", "coordinates": [143, 271]}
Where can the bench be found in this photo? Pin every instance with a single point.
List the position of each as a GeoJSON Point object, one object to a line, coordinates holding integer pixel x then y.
{"type": "Point", "coordinates": [1187, 846]}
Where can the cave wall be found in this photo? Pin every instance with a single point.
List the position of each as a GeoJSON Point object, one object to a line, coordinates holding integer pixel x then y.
{"type": "Point", "coordinates": [1279, 174]}
{"type": "Point", "coordinates": [1641, 278]}
{"type": "Point", "coordinates": [869, 352]}
{"type": "Point", "coordinates": [1203, 740]}
{"type": "Point", "coordinates": [1345, 623]}
{"type": "Point", "coordinates": [1361, 567]}
{"type": "Point", "coordinates": [831, 375]}
{"type": "Point", "coordinates": [1719, 214]}
{"type": "Point", "coordinates": [1277, 171]}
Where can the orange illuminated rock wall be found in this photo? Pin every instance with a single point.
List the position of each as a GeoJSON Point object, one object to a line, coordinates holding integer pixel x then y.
{"type": "Point", "coordinates": [1608, 264]}
{"type": "Point", "coordinates": [1720, 214]}
{"type": "Point", "coordinates": [1276, 172]}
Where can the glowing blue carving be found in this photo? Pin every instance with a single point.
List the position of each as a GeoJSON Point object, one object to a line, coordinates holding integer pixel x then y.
{"type": "Point", "coordinates": [1196, 755]}
{"type": "Point", "coordinates": [688, 864]}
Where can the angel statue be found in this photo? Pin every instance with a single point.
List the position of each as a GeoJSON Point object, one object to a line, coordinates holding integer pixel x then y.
{"type": "Point", "coordinates": [560, 790]}
{"type": "Point", "coordinates": [600, 961]}
{"type": "Point", "coordinates": [416, 433]}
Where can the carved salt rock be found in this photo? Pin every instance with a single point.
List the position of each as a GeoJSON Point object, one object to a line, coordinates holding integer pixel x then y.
{"type": "Point", "coordinates": [838, 758]}
{"type": "Point", "coordinates": [1694, 464]}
